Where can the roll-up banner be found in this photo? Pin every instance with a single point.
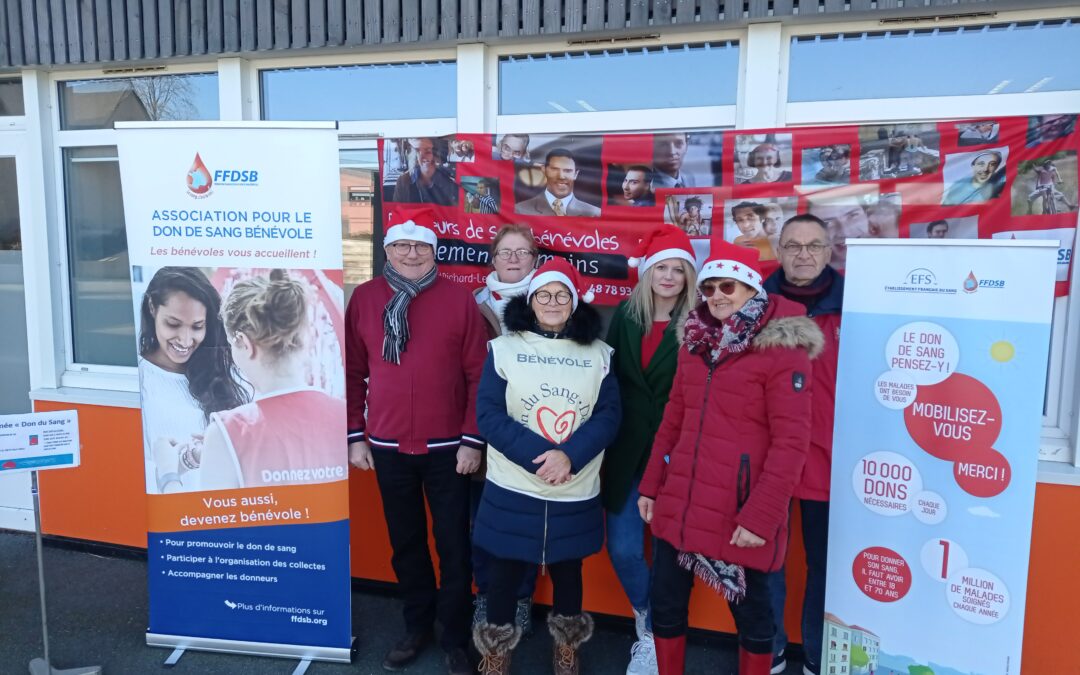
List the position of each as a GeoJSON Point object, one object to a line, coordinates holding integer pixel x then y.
{"type": "Point", "coordinates": [591, 197]}
{"type": "Point", "coordinates": [234, 239]}
{"type": "Point", "coordinates": [939, 405]}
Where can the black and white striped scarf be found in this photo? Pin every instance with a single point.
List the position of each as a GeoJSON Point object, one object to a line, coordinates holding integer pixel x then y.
{"type": "Point", "coordinates": [396, 313]}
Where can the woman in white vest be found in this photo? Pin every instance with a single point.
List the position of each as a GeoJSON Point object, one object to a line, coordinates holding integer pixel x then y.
{"type": "Point", "coordinates": [513, 259]}
{"type": "Point", "coordinates": [548, 405]}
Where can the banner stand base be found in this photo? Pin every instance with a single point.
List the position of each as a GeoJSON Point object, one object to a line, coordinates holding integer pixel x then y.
{"type": "Point", "coordinates": [306, 653]}
{"type": "Point", "coordinates": [41, 667]}
{"type": "Point", "coordinates": [174, 658]}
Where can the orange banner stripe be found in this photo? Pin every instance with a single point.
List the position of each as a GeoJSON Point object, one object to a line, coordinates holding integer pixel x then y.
{"type": "Point", "coordinates": [249, 507]}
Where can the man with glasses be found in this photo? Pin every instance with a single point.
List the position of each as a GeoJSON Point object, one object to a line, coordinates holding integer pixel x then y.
{"type": "Point", "coordinates": [415, 349]}
{"type": "Point", "coordinates": [806, 277]}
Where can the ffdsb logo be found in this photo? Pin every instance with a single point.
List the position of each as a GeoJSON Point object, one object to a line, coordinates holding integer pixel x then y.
{"type": "Point", "coordinates": [236, 177]}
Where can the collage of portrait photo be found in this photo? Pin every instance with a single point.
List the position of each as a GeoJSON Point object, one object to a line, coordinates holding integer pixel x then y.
{"type": "Point", "coordinates": [589, 197]}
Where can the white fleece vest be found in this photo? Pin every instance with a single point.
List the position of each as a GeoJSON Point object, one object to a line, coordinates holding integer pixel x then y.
{"type": "Point", "coordinates": [551, 387]}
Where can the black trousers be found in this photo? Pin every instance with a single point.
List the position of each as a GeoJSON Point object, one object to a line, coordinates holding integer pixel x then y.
{"type": "Point", "coordinates": [671, 602]}
{"type": "Point", "coordinates": [404, 482]}
{"type": "Point", "coordinates": [505, 577]}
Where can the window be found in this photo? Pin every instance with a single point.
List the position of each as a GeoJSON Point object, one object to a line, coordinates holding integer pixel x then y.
{"type": "Point", "coordinates": [11, 96]}
{"type": "Point", "coordinates": [1011, 58]}
{"type": "Point", "coordinates": [620, 79]}
{"type": "Point", "coordinates": [96, 104]}
{"type": "Point", "coordinates": [102, 325]}
{"type": "Point", "coordinates": [393, 91]}
{"type": "Point", "coordinates": [359, 208]}
{"type": "Point", "coordinates": [10, 233]}
{"type": "Point", "coordinates": [102, 328]}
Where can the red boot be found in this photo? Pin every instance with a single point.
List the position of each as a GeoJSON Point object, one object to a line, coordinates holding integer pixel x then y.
{"type": "Point", "coordinates": [670, 655]}
{"type": "Point", "coordinates": [754, 664]}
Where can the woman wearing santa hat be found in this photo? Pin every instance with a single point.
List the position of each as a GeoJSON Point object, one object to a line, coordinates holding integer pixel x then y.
{"type": "Point", "coordinates": [728, 454]}
{"type": "Point", "coordinates": [513, 262]}
{"type": "Point", "coordinates": [548, 405]}
{"type": "Point", "coordinates": [642, 333]}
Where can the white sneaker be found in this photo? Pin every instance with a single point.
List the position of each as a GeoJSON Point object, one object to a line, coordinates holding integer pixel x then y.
{"type": "Point", "coordinates": [643, 657]}
{"type": "Point", "coordinates": [641, 623]}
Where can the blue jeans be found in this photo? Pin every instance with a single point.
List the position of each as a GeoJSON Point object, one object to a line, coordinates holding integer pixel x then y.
{"type": "Point", "coordinates": [481, 558]}
{"type": "Point", "coordinates": [815, 531]}
{"type": "Point", "coordinates": [626, 547]}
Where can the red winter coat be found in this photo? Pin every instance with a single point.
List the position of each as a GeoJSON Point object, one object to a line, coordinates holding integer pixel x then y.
{"type": "Point", "coordinates": [732, 443]}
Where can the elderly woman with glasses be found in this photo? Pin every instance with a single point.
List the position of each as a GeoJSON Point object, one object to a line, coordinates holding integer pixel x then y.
{"type": "Point", "coordinates": [728, 455]}
{"type": "Point", "coordinates": [513, 262]}
{"type": "Point", "coordinates": [548, 405]}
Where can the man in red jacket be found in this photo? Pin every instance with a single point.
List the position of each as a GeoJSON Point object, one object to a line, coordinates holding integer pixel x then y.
{"type": "Point", "coordinates": [806, 277]}
{"type": "Point", "coordinates": [416, 346]}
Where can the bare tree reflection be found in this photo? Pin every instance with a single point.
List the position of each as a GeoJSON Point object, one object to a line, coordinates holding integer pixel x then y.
{"type": "Point", "coordinates": [166, 97]}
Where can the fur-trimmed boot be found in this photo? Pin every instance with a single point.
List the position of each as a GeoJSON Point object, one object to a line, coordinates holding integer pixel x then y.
{"type": "Point", "coordinates": [496, 645]}
{"type": "Point", "coordinates": [570, 632]}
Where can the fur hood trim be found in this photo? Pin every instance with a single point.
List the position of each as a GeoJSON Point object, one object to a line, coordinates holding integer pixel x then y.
{"type": "Point", "coordinates": [791, 331]}
{"type": "Point", "coordinates": [584, 326]}
{"type": "Point", "coordinates": [783, 331]}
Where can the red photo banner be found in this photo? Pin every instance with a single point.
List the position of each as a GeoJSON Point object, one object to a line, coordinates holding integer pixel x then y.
{"type": "Point", "coordinates": [589, 198]}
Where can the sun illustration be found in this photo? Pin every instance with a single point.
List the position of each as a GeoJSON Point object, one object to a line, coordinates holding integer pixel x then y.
{"type": "Point", "coordinates": [1002, 351]}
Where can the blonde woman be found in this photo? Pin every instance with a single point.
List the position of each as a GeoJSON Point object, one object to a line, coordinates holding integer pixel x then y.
{"type": "Point", "coordinates": [282, 436]}
{"type": "Point", "coordinates": [643, 335]}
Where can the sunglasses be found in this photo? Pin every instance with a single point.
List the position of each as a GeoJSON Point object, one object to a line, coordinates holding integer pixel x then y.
{"type": "Point", "coordinates": [726, 287]}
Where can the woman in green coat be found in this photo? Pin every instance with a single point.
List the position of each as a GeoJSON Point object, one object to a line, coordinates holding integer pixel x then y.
{"type": "Point", "coordinates": [642, 333]}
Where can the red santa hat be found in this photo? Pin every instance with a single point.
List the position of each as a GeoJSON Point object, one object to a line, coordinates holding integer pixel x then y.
{"type": "Point", "coordinates": [559, 269]}
{"type": "Point", "coordinates": [411, 224]}
{"type": "Point", "coordinates": [728, 261]}
{"type": "Point", "coordinates": [663, 243]}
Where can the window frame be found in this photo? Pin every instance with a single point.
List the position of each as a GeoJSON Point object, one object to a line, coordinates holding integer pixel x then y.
{"type": "Point", "coordinates": [428, 126]}
{"type": "Point", "coordinates": [1060, 429]}
{"type": "Point", "coordinates": [642, 119]}
{"type": "Point", "coordinates": [16, 122]}
{"type": "Point", "coordinates": [73, 373]}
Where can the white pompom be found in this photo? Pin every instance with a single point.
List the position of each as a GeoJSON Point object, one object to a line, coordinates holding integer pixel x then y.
{"type": "Point", "coordinates": [588, 297]}
{"type": "Point", "coordinates": [632, 262]}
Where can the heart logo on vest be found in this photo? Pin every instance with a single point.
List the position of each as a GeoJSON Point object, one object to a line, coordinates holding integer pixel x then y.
{"type": "Point", "coordinates": [554, 426]}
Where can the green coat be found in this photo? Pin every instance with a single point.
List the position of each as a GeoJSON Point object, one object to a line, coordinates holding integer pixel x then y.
{"type": "Point", "coordinates": [644, 394]}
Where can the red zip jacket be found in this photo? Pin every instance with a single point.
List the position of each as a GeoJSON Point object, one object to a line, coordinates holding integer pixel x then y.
{"type": "Point", "coordinates": [826, 314]}
{"type": "Point", "coordinates": [427, 403]}
{"type": "Point", "coordinates": [732, 443]}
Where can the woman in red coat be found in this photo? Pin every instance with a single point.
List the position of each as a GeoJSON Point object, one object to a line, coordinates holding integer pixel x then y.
{"type": "Point", "coordinates": [728, 455]}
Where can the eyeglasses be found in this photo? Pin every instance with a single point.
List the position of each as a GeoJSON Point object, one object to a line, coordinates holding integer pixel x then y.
{"type": "Point", "coordinates": [403, 248]}
{"type": "Point", "coordinates": [791, 248]}
{"type": "Point", "coordinates": [726, 287]}
{"type": "Point", "coordinates": [519, 253]}
{"type": "Point", "coordinates": [544, 297]}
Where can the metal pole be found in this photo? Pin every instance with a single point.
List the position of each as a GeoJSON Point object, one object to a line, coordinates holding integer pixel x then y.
{"type": "Point", "coordinates": [44, 666]}
{"type": "Point", "coordinates": [40, 564]}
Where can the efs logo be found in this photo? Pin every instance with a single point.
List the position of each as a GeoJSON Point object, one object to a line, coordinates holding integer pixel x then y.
{"type": "Point", "coordinates": [920, 277]}
{"type": "Point", "coordinates": [920, 280]}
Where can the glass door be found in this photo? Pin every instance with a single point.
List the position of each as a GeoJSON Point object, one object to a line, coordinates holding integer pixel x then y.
{"type": "Point", "coordinates": [16, 507]}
